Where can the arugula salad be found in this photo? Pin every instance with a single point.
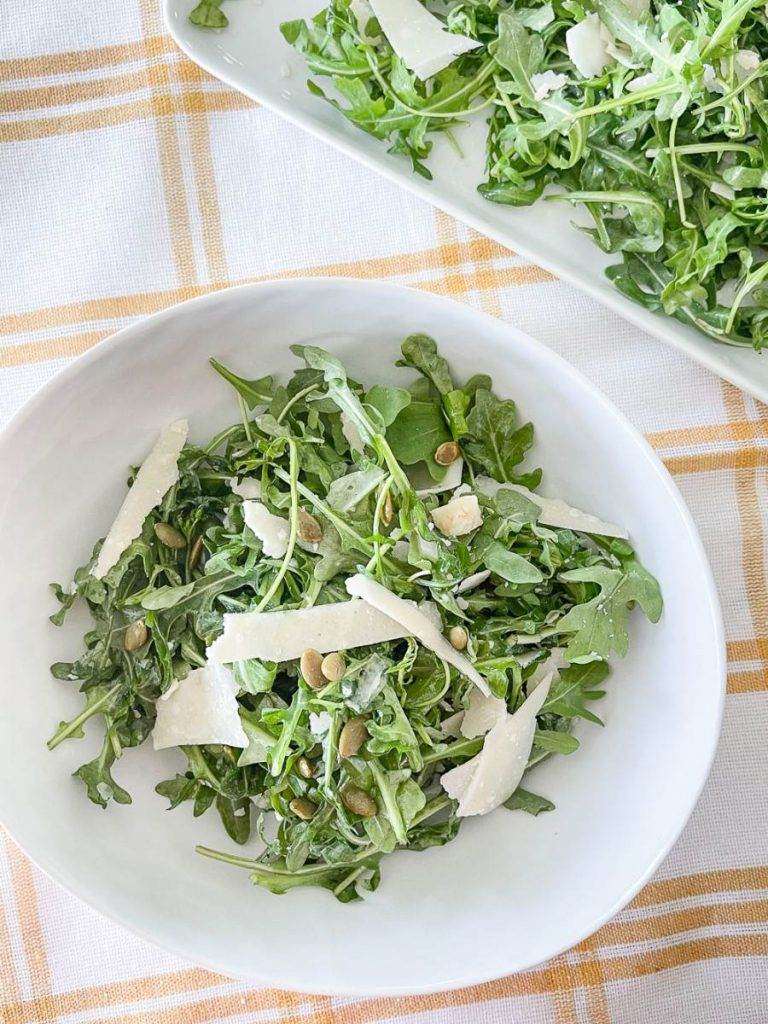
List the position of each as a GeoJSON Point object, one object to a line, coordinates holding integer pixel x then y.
{"type": "Point", "coordinates": [352, 613]}
{"type": "Point", "coordinates": [652, 117]}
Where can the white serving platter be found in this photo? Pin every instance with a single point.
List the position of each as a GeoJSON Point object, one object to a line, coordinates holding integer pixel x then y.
{"type": "Point", "coordinates": [252, 56]}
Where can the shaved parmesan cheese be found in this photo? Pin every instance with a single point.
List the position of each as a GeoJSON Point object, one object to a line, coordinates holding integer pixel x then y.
{"type": "Point", "coordinates": [284, 635]}
{"type": "Point", "coordinates": [418, 38]}
{"type": "Point", "coordinates": [460, 516]}
{"type": "Point", "coordinates": [319, 723]}
{"type": "Point", "coordinates": [472, 582]}
{"type": "Point", "coordinates": [642, 82]}
{"type": "Point", "coordinates": [202, 709]}
{"type": "Point", "coordinates": [555, 512]}
{"type": "Point", "coordinates": [587, 43]}
{"type": "Point", "coordinates": [545, 82]}
{"type": "Point", "coordinates": [249, 487]}
{"type": "Point", "coordinates": [747, 61]}
{"type": "Point", "coordinates": [710, 80]}
{"type": "Point", "coordinates": [158, 473]}
{"type": "Point", "coordinates": [451, 726]}
{"type": "Point", "coordinates": [491, 777]}
{"type": "Point", "coordinates": [351, 433]}
{"type": "Point", "coordinates": [369, 684]}
{"type": "Point", "coordinates": [416, 623]}
{"type": "Point", "coordinates": [482, 714]}
{"type": "Point", "coordinates": [547, 668]}
{"type": "Point", "coordinates": [273, 531]}
{"type": "Point", "coordinates": [719, 188]}
{"type": "Point", "coordinates": [450, 481]}
{"type": "Point", "coordinates": [456, 781]}
{"type": "Point", "coordinates": [347, 491]}
{"type": "Point", "coordinates": [363, 13]}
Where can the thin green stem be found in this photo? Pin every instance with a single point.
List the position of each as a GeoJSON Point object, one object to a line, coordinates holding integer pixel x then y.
{"type": "Point", "coordinates": [676, 175]}
{"type": "Point", "coordinates": [750, 282]}
{"type": "Point", "coordinates": [293, 481]}
{"type": "Point", "coordinates": [245, 417]}
{"type": "Point", "coordinates": [627, 100]}
{"type": "Point", "coordinates": [67, 728]}
{"type": "Point", "coordinates": [296, 398]}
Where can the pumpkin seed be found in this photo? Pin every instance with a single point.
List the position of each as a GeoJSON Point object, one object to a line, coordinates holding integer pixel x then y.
{"type": "Point", "coordinates": [352, 737]}
{"type": "Point", "coordinates": [458, 637]}
{"type": "Point", "coordinates": [303, 808]}
{"type": "Point", "coordinates": [359, 802]}
{"type": "Point", "coordinates": [447, 453]}
{"type": "Point", "coordinates": [309, 530]}
{"type": "Point", "coordinates": [310, 665]}
{"type": "Point", "coordinates": [333, 667]}
{"type": "Point", "coordinates": [135, 635]}
{"type": "Point", "coordinates": [305, 768]}
{"type": "Point", "coordinates": [197, 550]}
{"type": "Point", "coordinates": [388, 510]}
{"type": "Point", "coordinates": [170, 536]}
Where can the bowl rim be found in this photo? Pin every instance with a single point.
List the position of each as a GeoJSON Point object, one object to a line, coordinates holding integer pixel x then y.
{"type": "Point", "coordinates": [101, 350]}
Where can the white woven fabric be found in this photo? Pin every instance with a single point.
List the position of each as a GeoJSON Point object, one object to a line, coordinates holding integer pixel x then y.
{"type": "Point", "coordinates": [132, 181]}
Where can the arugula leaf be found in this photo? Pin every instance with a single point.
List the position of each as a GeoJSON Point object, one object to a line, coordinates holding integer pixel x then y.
{"type": "Point", "coordinates": [531, 803]}
{"type": "Point", "coordinates": [420, 352]}
{"type": "Point", "coordinates": [416, 434]}
{"type": "Point", "coordinates": [388, 402]}
{"type": "Point", "coordinates": [208, 14]}
{"type": "Point", "coordinates": [554, 741]}
{"type": "Point", "coordinates": [599, 626]}
{"type": "Point", "coordinates": [97, 776]}
{"type": "Point", "coordinates": [574, 685]}
{"type": "Point", "coordinates": [510, 566]}
{"type": "Point", "coordinates": [496, 443]}
{"type": "Point", "coordinates": [259, 391]}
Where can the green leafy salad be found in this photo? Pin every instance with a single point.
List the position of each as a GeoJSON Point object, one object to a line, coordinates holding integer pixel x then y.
{"type": "Point", "coordinates": [652, 116]}
{"type": "Point", "coordinates": [353, 615]}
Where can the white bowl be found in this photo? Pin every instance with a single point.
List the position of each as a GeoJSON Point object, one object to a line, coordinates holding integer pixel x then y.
{"type": "Point", "coordinates": [512, 890]}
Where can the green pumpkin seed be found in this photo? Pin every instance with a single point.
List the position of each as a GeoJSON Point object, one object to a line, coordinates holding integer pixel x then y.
{"type": "Point", "coordinates": [303, 808]}
{"type": "Point", "coordinates": [197, 550]}
{"type": "Point", "coordinates": [310, 665]}
{"type": "Point", "coordinates": [170, 536]}
{"type": "Point", "coordinates": [458, 637]}
{"type": "Point", "coordinates": [359, 802]}
{"type": "Point", "coordinates": [135, 636]}
{"type": "Point", "coordinates": [333, 667]}
{"type": "Point", "coordinates": [447, 453]}
{"type": "Point", "coordinates": [309, 530]}
{"type": "Point", "coordinates": [305, 768]}
{"type": "Point", "coordinates": [352, 737]}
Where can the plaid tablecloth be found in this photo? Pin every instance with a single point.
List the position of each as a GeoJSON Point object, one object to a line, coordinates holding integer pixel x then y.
{"type": "Point", "coordinates": [130, 181]}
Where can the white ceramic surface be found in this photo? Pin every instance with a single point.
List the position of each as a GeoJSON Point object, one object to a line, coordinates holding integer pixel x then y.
{"type": "Point", "coordinates": [512, 890]}
{"type": "Point", "coordinates": [251, 55]}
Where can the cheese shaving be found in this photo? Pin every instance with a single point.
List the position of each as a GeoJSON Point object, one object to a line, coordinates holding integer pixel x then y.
{"type": "Point", "coordinates": [489, 778]}
{"type": "Point", "coordinates": [158, 473]}
{"type": "Point", "coordinates": [554, 511]}
{"type": "Point", "coordinates": [418, 38]}
{"type": "Point", "coordinates": [203, 708]}
{"type": "Point", "coordinates": [415, 622]}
